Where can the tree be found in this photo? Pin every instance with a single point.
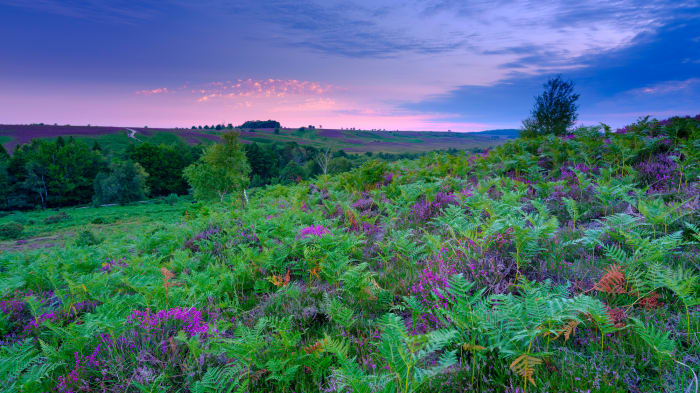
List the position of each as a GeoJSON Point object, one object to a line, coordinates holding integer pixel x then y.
{"type": "Point", "coordinates": [164, 164]}
{"type": "Point", "coordinates": [54, 173]}
{"type": "Point", "coordinates": [3, 153]}
{"type": "Point", "coordinates": [292, 172]}
{"type": "Point", "coordinates": [261, 124]}
{"type": "Point", "coordinates": [4, 179]}
{"type": "Point", "coordinates": [124, 183]}
{"type": "Point", "coordinates": [555, 110]}
{"type": "Point", "coordinates": [323, 159]}
{"type": "Point", "coordinates": [223, 169]}
{"type": "Point", "coordinates": [338, 165]}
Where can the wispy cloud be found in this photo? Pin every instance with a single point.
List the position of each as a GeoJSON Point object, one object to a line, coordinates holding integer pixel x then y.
{"type": "Point", "coordinates": [260, 88]}
{"type": "Point", "coordinates": [112, 11]}
{"type": "Point", "coordinates": [672, 86]}
{"type": "Point", "coordinates": [160, 90]}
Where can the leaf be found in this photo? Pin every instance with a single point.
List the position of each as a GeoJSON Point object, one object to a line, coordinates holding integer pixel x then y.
{"type": "Point", "coordinates": [613, 281]}
{"type": "Point", "coordinates": [524, 365]}
{"type": "Point", "coordinates": [568, 330]}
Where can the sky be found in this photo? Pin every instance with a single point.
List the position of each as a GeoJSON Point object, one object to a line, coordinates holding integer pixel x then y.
{"type": "Point", "coordinates": [439, 65]}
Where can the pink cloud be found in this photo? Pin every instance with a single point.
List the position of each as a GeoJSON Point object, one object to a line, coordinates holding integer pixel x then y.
{"type": "Point", "coordinates": [160, 90]}
{"type": "Point", "coordinates": [260, 88]}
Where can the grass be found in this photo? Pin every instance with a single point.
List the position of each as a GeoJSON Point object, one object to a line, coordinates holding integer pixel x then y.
{"type": "Point", "coordinates": [44, 227]}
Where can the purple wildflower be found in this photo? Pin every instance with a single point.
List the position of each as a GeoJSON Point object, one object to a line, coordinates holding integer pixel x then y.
{"type": "Point", "coordinates": [314, 230]}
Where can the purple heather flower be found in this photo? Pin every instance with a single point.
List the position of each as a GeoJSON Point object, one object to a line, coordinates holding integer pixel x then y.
{"type": "Point", "coordinates": [111, 264]}
{"type": "Point", "coordinates": [314, 230]}
{"type": "Point", "coordinates": [388, 178]}
{"type": "Point", "coordinates": [190, 318]}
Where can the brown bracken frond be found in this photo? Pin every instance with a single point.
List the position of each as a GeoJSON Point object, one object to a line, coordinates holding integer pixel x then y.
{"type": "Point", "coordinates": [617, 316]}
{"type": "Point", "coordinates": [613, 281]}
{"type": "Point", "coordinates": [524, 365]}
{"type": "Point", "coordinates": [651, 302]}
{"type": "Point", "coordinates": [568, 330]}
{"type": "Point", "coordinates": [472, 347]}
{"type": "Point", "coordinates": [279, 281]}
{"type": "Point", "coordinates": [315, 347]}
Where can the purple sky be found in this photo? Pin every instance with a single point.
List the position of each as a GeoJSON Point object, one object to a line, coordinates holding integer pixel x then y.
{"type": "Point", "coordinates": [410, 65]}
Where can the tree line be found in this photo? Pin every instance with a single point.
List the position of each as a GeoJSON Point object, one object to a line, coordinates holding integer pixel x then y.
{"type": "Point", "coordinates": [67, 171]}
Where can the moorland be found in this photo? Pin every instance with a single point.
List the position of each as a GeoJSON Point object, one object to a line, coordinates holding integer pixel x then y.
{"type": "Point", "coordinates": [549, 263]}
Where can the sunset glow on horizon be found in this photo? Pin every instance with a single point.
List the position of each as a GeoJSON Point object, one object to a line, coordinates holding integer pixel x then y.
{"type": "Point", "coordinates": [430, 65]}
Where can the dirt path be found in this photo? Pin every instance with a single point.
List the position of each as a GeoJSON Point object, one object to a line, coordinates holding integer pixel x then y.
{"type": "Point", "coordinates": [132, 134]}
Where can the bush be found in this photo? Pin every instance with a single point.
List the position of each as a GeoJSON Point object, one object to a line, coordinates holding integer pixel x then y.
{"type": "Point", "coordinates": [86, 237]}
{"type": "Point", "coordinates": [11, 230]}
{"type": "Point", "coordinates": [62, 216]}
{"type": "Point", "coordinates": [171, 199]}
{"type": "Point", "coordinates": [101, 220]}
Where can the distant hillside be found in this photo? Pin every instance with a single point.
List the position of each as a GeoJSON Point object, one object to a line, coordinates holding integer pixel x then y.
{"type": "Point", "coordinates": [355, 141]}
{"type": "Point", "coordinates": [509, 133]}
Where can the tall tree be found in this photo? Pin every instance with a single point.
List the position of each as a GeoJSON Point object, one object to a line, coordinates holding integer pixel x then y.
{"type": "Point", "coordinates": [555, 110]}
{"type": "Point", "coordinates": [125, 182]}
{"type": "Point", "coordinates": [223, 169]}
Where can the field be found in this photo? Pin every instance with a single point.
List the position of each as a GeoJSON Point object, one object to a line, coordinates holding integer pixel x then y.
{"type": "Point", "coordinates": [117, 138]}
{"type": "Point", "coordinates": [547, 264]}
{"type": "Point", "coordinates": [54, 227]}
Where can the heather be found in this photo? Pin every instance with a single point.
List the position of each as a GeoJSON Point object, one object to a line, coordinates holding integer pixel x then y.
{"type": "Point", "coordinates": [561, 263]}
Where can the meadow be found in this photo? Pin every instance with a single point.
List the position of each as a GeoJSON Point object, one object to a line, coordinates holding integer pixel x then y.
{"type": "Point", "coordinates": [546, 264]}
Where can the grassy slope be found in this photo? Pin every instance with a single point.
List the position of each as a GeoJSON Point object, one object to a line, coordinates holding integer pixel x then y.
{"type": "Point", "coordinates": [290, 310]}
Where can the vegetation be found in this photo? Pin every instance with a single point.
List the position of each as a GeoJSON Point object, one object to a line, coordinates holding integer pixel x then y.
{"type": "Point", "coordinates": [42, 174]}
{"type": "Point", "coordinates": [125, 182]}
{"type": "Point", "coordinates": [222, 170]}
{"type": "Point", "coordinates": [551, 263]}
{"type": "Point", "coordinates": [555, 110]}
{"type": "Point", "coordinates": [261, 124]}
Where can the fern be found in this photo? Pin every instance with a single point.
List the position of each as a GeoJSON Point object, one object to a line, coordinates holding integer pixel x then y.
{"type": "Point", "coordinates": [339, 313]}
{"type": "Point", "coordinates": [524, 365]}
{"type": "Point", "coordinates": [221, 380]}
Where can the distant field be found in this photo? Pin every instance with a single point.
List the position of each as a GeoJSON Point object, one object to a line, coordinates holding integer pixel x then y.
{"type": "Point", "coordinates": [356, 141]}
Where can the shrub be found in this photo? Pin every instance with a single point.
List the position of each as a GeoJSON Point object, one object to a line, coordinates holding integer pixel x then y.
{"type": "Point", "coordinates": [11, 230]}
{"type": "Point", "coordinates": [86, 237]}
{"type": "Point", "coordinates": [171, 199]}
{"type": "Point", "coordinates": [62, 216]}
{"type": "Point", "coordinates": [101, 220]}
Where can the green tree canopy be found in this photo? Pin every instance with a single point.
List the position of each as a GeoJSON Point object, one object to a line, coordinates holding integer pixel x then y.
{"type": "Point", "coordinates": [223, 169]}
{"type": "Point", "coordinates": [164, 164]}
{"type": "Point", "coordinates": [555, 110]}
{"type": "Point", "coordinates": [55, 173]}
{"type": "Point", "coordinates": [124, 183]}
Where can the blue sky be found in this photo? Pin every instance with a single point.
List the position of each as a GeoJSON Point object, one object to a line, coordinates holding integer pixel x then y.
{"type": "Point", "coordinates": [421, 65]}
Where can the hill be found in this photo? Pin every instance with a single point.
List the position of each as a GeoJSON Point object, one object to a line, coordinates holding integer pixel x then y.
{"type": "Point", "coordinates": [354, 141]}
{"type": "Point", "coordinates": [507, 271]}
